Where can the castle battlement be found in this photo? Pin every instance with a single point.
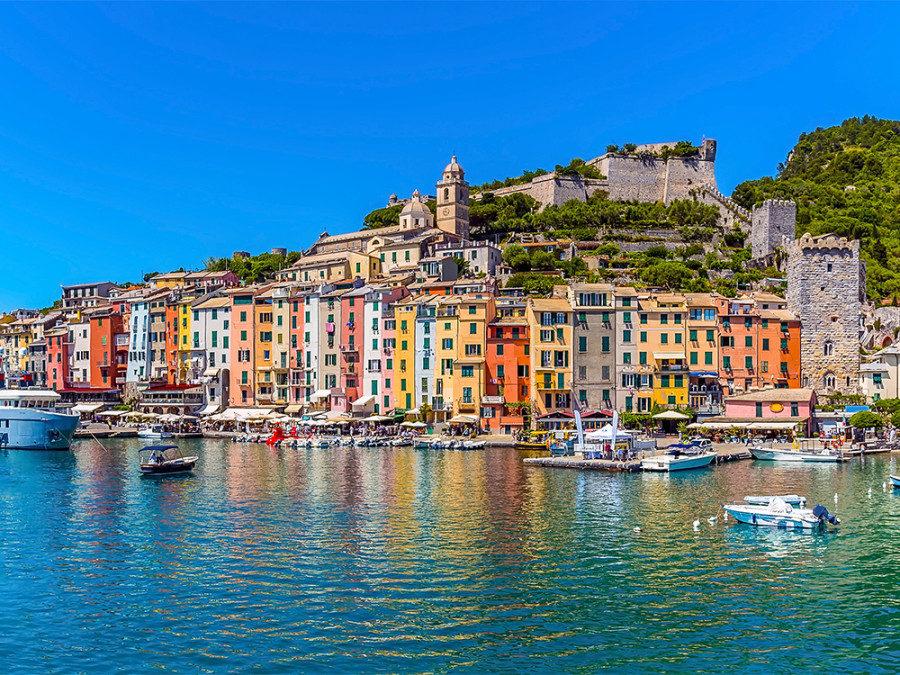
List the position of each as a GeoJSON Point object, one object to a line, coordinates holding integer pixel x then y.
{"type": "Point", "coordinates": [825, 243]}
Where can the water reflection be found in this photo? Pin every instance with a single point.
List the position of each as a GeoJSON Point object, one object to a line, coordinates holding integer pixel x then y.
{"type": "Point", "coordinates": [410, 561]}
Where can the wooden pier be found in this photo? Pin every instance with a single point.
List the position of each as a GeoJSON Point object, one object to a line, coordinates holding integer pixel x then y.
{"type": "Point", "coordinates": [570, 462]}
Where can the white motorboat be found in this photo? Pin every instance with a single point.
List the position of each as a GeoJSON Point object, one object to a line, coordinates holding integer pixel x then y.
{"type": "Point", "coordinates": [679, 458]}
{"type": "Point", "coordinates": [31, 420]}
{"type": "Point", "coordinates": [778, 513]}
{"type": "Point", "coordinates": [793, 455]}
{"type": "Point", "coordinates": [154, 431]}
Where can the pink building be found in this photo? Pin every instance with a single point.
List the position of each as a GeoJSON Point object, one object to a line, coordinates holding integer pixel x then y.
{"type": "Point", "coordinates": [768, 410]}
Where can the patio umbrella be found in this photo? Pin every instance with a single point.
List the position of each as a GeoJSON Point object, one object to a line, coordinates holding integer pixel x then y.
{"type": "Point", "coordinates": [377, 418]}
{"type": "Point", "coordinates": [671, 415]}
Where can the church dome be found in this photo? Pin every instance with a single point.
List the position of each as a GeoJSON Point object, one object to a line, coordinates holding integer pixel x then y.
{"type": "Point", "coordinates": [453, 166]}
{"type": "Point", "coordinates": [415, 206]}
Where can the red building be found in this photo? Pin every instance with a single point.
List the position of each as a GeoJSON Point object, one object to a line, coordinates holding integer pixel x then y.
{"type": "Point", "coordinates": [108, 347]}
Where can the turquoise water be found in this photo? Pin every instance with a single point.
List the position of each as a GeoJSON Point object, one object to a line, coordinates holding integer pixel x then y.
{"type": "Point", "coordinates": [405, 561]}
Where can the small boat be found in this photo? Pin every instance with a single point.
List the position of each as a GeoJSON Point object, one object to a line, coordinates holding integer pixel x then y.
{"type": "Point", "coordinates": [778, 513]}
{"type": "Point", "coordinates": [895, 481]}
{"type": "Point", "coordinates": [161, 460]}
{"type": "Point", "coordinates": [792, 455]}
{"type": "Point", "coordinates": [679, 457]}
{"type": "Point", "coordinates": [793, 500]}
{"type": "Point", "coordinates": [537, 440]}
{"type": "Point", "coordinates": [154, 431]}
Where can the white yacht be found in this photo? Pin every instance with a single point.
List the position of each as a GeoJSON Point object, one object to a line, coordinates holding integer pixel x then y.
{"type": "Point", "coordinates": [30, 420]}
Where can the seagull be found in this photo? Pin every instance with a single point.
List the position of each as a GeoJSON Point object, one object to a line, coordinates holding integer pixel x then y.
{"type": "Point", "coordinates": [870, 493]}
{"type": "Point", "coordinates": [725, 517]}
{"type": "Point", "coordinates": [835, 497]}
{"type": "Point", "coordinates": [713, 519]}
{"type": "Point", "coordinates": [696, 524]}
{"type": "Point", "coordinates": [637, 529]}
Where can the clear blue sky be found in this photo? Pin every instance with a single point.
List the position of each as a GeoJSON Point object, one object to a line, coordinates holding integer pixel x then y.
{"type": "Point", "coordinates": [145, 137]}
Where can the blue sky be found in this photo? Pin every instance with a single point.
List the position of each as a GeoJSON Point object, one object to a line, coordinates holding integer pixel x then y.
{"type": "Point", "coordinates": [146, 137]}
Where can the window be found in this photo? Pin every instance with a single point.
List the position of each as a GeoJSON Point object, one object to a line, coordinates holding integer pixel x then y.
{"type": "Point", "coordinates": [626, 336]}
{"type": "Point", "coordinates": [447, 343]}
{"type": "Point", "coordinates": [604, 343]}
{"type": "Point", "coordinates": [626, 317]}
{"type": "Point", "coordinates": [710, 336]}
{"type": "Point", "coordinates": [643, 318]}
{"type": "Point", "coordinates": [642, 358]}
{"type": "Point", "coordinates": [726, 362]}
{"type": "Point", "coordinates": [784, 345]}
{"type": "Point", "coordinates": [748, 341]}
{"type": "Point", "coordinates": [643, 336]}
{"type": "Point", "coordinates": [765, 344]}
{"type": "Point", "coordinates": [693, 358]}
{"type": "Point", "coordinates": [582, 343]}
{"type": "Point", "coordinates": [626, 302]}
{"type": "Point", "coordinates": [759, 409]}
{"type": "Point", "coordinates": [692, 336]}
{"type": "Point", "coordinates": [499, 350]}
{"type": "Point", "coordinates": [467, 371]}
{"type": "Point", "coordinates": [473, 328]}
{"type": "Point", "coordinates": [829, 349]}
{"type": "Point", "coordinates": [708, 358]}
{"type": "Point", "coordinates": [795, 409]}
{"type": "Point", "coordinates": [764, 366]}
{"type": "Point", "coordinates": [664, 338]}
{"type": "Point", "coordinates": [472, 309]}
{"type": "Point", "coordinates": [748, 362]}
{"type": "Point", "coordinates": [626, 358]}
{"type": "Point", "coordinates": [876, 378]}
{"type": "Point", "coordinates": [664, 381]}
{"type": "Point", "coordinates": [244, 335]}
{"type": "Point", "coordinates": [664, 318]}
{"type": "Point", "coordinates": [677, 338]}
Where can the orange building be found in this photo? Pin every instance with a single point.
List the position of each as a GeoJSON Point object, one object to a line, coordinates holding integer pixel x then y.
{"type": "Point", "coordinates": [759, 344]}
{"type": "Point", "coordinates": [243, 347]}
{"type": "Point", "coordinates": [508, 379]}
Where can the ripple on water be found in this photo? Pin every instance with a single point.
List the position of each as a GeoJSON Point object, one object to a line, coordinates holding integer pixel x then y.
{"type": "Point", "coordinates": [411, 561]}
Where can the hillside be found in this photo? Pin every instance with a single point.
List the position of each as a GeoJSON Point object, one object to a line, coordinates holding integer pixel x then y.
{"type": "Point", "coordinates": [845, 180]}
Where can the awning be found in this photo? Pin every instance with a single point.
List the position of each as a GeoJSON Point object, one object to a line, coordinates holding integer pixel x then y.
{"type": "Point", "coordinates": [86, 407]}
{"type": "Point", "coordinates": [111, 413]}
{"type": "Point", "coordinates": [211, 372]}
{"type": "Point", "coordinates": [294, 408]}
{"type": "Point", "coordinates": [718, 425]}
{"type": "Point", "coordinates": [671, 415]}
{"type": "Point", "coordinates": [463, 419]}
{"type": "Point", "coordinates": [363, 401]}
{"type": "Point", "coordinates": [773, 426]}
{"type": "Point", "coordinates": [210, 409]}
{"type": "Point", "coordinates": [668, 356]}
{"type": "Point", "coordinates": [703, 373]}
{"type": "Point", "coordinates": [321, 393]}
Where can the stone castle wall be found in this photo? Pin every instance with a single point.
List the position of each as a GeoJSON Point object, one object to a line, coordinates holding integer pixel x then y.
{"type": "Point", "coordinates": [772, 221]}
{"type": "Point", "coordinates": [823, 290]}
{"type": "Point", "coordinates": [628, 177]}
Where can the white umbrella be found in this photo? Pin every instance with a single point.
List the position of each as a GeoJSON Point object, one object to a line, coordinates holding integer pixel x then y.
{"type": "Point", "coordinates": [418, 425]}
{"type": "Point", "coordinates": [377, 418]}
{"type": "Point", "coordinates": [671, 415]}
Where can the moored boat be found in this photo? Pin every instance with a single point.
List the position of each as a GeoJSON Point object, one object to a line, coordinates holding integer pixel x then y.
{"type": "Point", "coordinates": [30, 420]}
{"type": "Point", "coordinates": [154, 431]}
{"type": "Point", "coordinates": [160, 460]}
{"type": "Point", "coordinates": [895, 481]}
{"type": "Point", "coordinates": [780, 514]}
{"type": "Point", "coordinates": [679, 458]}
{"type": "Point", "coordinates": [793, 455]}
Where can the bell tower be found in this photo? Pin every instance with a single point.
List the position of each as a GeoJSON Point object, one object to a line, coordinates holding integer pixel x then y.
{"type": "Point", "coordinates": [453, 200]}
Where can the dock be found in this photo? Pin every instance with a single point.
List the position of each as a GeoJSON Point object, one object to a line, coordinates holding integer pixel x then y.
{"type": "Point", "coordinates": [570, 462]}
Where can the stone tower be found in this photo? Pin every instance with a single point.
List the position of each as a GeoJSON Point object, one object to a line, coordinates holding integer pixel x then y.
{"type": "Point", "coordinates": [826, 288]}
{"type": "Point", "coordinates": [770, 222]}
{"type": "Point", "coordinates": [453, 200]}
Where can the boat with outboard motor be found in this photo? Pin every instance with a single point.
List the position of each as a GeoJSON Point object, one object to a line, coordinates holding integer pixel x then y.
{"type": "Point", "coordinates": [679, 457]}
{"type": "Point", "coordinates": [778, 513]}
{"type": "Point", "coordinates": [31, 420]}
{"type": "Point", "coordinates": [154, 431]}
{"type": "Point", "coordinates": [161, 460]}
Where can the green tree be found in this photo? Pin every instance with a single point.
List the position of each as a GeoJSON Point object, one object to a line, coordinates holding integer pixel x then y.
{"type": "Point", "coordinates": [672, 275]}
{"type": "Point", "coordinates": [866, 420]}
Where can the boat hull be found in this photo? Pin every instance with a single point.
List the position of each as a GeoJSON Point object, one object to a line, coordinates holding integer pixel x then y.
{"type": "Point", "coordinates": [773, 455]}
{"type": "Point", "coordinates": [895, 481]}
{"type": "Point", "coordinates": [167, 469]}
{"type": "Point", "coordinates": [784, 521]}
{"type": "Point", "coordinates": [676, 463]}
{"type": "Point", "coordinates": [155, 434]}
{"type": "Point", "coordinates": [32, 429]}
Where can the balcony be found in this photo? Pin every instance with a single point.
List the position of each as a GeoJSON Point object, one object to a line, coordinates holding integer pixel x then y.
{"type": "Point", "coordinates": [466, 403]}
{"type": "Point", "coordinates": [493, 400]}
{"type": "Point", "coordinates": [553, 385]}
{"type": "Point", "coordinates": [348, 368]}
{"type": "Point", "coordinates": [350, 348]}
{"type": "Point", "coordinates": [121, 340]}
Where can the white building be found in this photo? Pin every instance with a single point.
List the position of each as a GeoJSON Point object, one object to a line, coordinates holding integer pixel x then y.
{"type": "Point", "coordinates": [212, 319]}
{"type": "Point", "coordinates": [80, 354]}
{"type": "Point", "coordinates": [482, 256]}
{"type": "Point", "coordinates": [879, 378]}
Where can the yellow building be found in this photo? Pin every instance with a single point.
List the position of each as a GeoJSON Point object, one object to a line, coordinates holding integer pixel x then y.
{"type": "Point", "coordinates": [550, 326]}
{"type": "Point", "coordinates": [662, 349]}
{"type": "Point", "coordinates": [405, 354]}
{"type": "Point", "coordinates": [469, 376]}
{"type": "Point", "coordinates": [281, 343]}
{"type": "Point", "coordinates": [446, 351]}
{"type": "Point", "coordinates": [187, 341]}
{"type": "Point", "coordinates": [332, 268]}
{"type": "Point", "coordinates": [263, 339]}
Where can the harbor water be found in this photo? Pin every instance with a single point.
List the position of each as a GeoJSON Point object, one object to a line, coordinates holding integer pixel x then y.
{"type": "Point", "coordinates": [420, 561]}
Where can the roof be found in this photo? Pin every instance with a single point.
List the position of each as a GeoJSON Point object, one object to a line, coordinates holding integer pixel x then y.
{"type": "Point", "coordinates": [774, 395]}
{"type": "Point", "coordinates": [213, 303]}
{"type": "Point", "coordinates": [551, 305]}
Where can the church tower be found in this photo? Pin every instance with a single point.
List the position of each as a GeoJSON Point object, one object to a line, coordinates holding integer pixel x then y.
{"type": "Point", "coordinates": [453, 200]}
